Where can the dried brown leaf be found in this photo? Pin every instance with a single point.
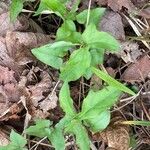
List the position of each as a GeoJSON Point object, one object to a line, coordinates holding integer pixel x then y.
{"type": "Point", "coordinates": [11, 112]}
{"type": "Point", "coordinates": [138, 71]}
{"type": "Point", "coordinates": [118, 4]}
{"type": "Point", "coordinates": [38, 90]}
{"type": "Point", "coordinates": [8, 89]}
{"type": "Point", "coordinates": [6, 76]}
{"type": "Point", "coordinates": [4, 6]}
{"type": "Point", "coordinates": [115, 135]}
{"type": "Point", "coordinates": [39, 114]}
{"type": "Point", "coordinates": [145, 13]}
{"type": "Point", "coordinates": [19, 45]}
{"type": "Point", "coordinates": [112, 23]}
{"type": "Point", "coordinates": [140, 3]}
{"type": "Point", "coordinates": [4, 138]}
{"type": "Point", "coordinates": [5, 59]}
{"type": "Point", "coordinates": [49, 103]}
{"type": "Point", "coordinates": [130, 51]}
{"type": "Point", "coordinates": [102, 2]}
{"type": "Point", "coordinates": [21, 24]}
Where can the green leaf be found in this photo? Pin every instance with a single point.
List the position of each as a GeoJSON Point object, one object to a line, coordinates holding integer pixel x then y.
{"type": "Point", "coordinates": [17, 139]}
{"type": "Point", "coordinates": [80, 133]}
{"type": "Point", "coordinates": [67, 32]}
{"type": "Point", "coordinates": [108, 79]}
{"type": "Point", "coordinates": [97, 56]}
{"type": "Point", "coordinates": [88, 73]}
{"type": "Point", "coordinates": [76, 66]}
{"type": "Point", "coordinates": [51, 54]}
{"type": "Point", "coordinates": [99, 122]}
{"type": "Point", "coordinates": [95, 39]}
{"type": "Point", "coordinates": [56, 6]}
{"type": "Point", "coordinates": [95, 16]}
{"type": "Point", "coordinates": [57, 139]}
{"type": "Point", "coordinates": [40, 129]}
{"type": "Point", "coordinates": [133, 142]}
{"type": "Point", "coordinates": [17, 142]}
{"type": "Point", "coordinates": [66, 102]}
{"type": "Point", "coordinates": [15, 8]}
{"type": "Point", "coordinates": [97, 102]}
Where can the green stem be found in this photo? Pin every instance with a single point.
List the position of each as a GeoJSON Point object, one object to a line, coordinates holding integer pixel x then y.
{"type": "Point", "coordinates": [88, 15]}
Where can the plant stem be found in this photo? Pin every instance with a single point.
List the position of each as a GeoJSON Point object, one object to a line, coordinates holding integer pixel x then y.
{"type": "Point", "coordinates": [88, 15]}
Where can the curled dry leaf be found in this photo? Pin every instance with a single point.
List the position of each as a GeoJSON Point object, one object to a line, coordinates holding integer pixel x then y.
{"type": "Point", "coordinates": [41, 95]}
{"type": "Point", "coordinates": [138, 71]}
{"type": "Point", "coordinates": [115, 135]}
{"type": "Point", "coordinates": [38, 90]}
{"type": "Point", "coordinates": [112, 23]}
{"type": "Point", "coordinates": [38, 98]}
{"type": "Point", "coordinates": [50, 102]}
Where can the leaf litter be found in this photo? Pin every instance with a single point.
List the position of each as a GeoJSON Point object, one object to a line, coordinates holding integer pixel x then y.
{"type": "Point", "coordinates": [27, 85]}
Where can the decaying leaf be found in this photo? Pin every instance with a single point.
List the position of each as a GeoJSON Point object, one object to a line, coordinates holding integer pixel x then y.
{"type": "Point", "coordinates": [138, 71]}
{"type": "Point", "coordinates": [145, 13]}
{"type": "Point", "coordinates": [21, 24]}
{"type": "Point", "coordinates": [6, 76]}
{"type": "Point", "coordinates": [19, 45]}
{"type": "Point", "coordinates": [9, 92]}
{"type": "Point", "coordinates": [5, 59]}
{"type": "Point", "coordinates": [95, 83]}
{"type": "Point", "coordinates": [140, 3]}
{"type": "Point", "coordinates": [115, 135]}
{"type": "Point", "coordinates": [16, 47]}
{"type": "Point", "coordinates": [130, 51]}
{"type": "Point", "coordinates": [102, 2]}
{"type": "Point", "coordinates": [4, 5]}
{"type": "Point", "coordinates": [50, 102]}
{"type": "Point", "coordinates": [118, 4]}
{"type": "Point", "coordinates": [11, 112]}
{"type": "Point", "coordinates": [37, 91]}
{"type": "Point", "coordinates": [112, 23]}
{"type": "Point", "coordinates": [40, 96]}
{"type": "Point", "coordinates": [4, 138]}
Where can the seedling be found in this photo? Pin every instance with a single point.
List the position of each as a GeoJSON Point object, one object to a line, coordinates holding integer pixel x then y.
{"type": "Point", "coordinates": [86, 51]}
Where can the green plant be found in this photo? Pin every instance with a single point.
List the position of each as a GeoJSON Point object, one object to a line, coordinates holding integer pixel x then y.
{"type": "Point", "coordinates": [17, 142]}
{"type": "Point", "coordinates": [87, 50]}
{"type": "Point", "coordinates": [94, 114]}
